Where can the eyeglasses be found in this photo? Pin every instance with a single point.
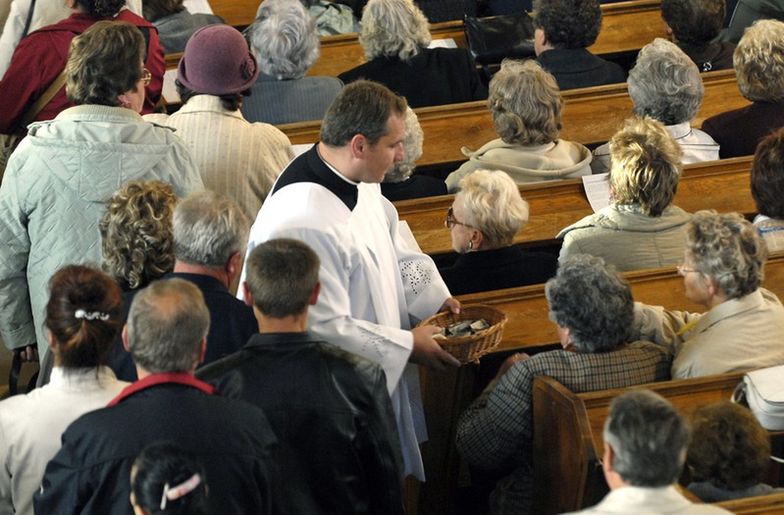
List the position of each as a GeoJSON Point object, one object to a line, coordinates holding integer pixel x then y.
{"type": "Point", "coordinates": [451, 221]}
{"type": "Point", "coordinates": [683, 270]}
{"type": "Point", "coordinates": [146, 77]}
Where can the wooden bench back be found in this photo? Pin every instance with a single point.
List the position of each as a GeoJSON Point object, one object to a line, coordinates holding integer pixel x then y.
{"type": "Point", "coordinates": [568, 435]}
{"type": "Point", "coordinates": [763, 505]}
{"type": "Point", "coordinates": [590, 116]}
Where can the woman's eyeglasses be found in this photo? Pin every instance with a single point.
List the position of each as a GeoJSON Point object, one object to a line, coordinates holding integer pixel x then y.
{"type": "Point", "coordinates": [451, 221]}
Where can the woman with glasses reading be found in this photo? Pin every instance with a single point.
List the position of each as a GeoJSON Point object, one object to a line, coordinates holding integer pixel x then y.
{"type": "Point", "coordinates": [483, 220]}
{"type": "Point", "coordinates": [722, 270]}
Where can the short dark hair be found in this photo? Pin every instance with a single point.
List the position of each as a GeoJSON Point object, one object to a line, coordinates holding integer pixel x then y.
{"type": "Point", "coordinates": [694, 22]}
{"type": "Point", "coordinates": [83, 315]}
{"type": "Point", "coordinates": [102, 8]}
{"type": "Point", "coordinates": [767, 176]}
{"type": "Point", "coordinates": [104, 62]}
{"type": "Point", "coordinates": [362, 107]}
{"type": "Point", "coordinates": [648, 438]}
{"type": "Point", "coordinates": [281, 275]}
{"type": "Point", "coordinates": [155, 9]}
{"type": "Point", "coordinates": [568, 23]}
{"type": "Point", "coordinates": [730, 448]}
{"type": "Point", "coordinates": [229, 101]}
{"type": "Point", "coordinates": [165, 463]}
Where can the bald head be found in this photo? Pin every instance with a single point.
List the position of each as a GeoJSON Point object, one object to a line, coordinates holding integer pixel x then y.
{"type": "Point", "coordinates": [167, 323]}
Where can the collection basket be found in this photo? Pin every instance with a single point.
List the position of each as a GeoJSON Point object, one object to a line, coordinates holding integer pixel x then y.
{"type": "Point", "coordinates": [468, 349]}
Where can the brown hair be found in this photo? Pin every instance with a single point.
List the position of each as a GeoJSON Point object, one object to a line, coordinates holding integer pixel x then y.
{"type": "Point", "coordinates": [729, 448]}
{"type": "Point", "coordinates": [767, 176]}
{"type": "Point", "coordinates": [83, 315]}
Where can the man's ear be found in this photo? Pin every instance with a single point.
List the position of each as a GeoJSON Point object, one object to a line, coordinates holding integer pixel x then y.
{"type": "Point", "coordinates": [247, 296]}
{"type": "Point", "coordinates": [358, 145]}
{"type": "Point", "coordinates": [314, 295]}
{"type": "Point", "coordinates": [125, 337]}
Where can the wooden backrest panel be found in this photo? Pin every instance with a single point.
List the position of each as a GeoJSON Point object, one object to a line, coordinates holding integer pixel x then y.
{"type": "Point", "coordinates": [590, 116]}
{"type": "Point", "coordinates": [723, 185]}
{"type": "Point", "coordinates": [526, 306]}
{"type": "Point", "coordinates": [772, 504]}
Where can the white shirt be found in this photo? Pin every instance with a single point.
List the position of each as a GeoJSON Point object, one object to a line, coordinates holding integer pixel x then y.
{"type": "Point", "coordinates": [641, 501]}
{"type": "Point", "coordinates": [31, 426]}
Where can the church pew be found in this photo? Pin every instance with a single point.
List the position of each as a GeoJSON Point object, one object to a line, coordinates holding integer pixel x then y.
{"type": "Point", "coordinates": [447, 394]}
{"type": "Point", "coordinates": [772, 504]}
{"type": "Point", "coordinates": [590, 116]}
{"type": "Point", "coordinates": [723, 184]}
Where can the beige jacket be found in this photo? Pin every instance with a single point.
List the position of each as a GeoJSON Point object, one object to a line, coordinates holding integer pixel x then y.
{"type": "Point", "coordinates": [526, 163]}
{"type": "Point", "coordinates": [738, 335]}
{"type": "Point", "coordinates": [627, 238]}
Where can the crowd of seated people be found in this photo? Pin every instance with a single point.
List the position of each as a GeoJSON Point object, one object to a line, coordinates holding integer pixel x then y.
{"type": "Point", "coordinates": [233, 405]}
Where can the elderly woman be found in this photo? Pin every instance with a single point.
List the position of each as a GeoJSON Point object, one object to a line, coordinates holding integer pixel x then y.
{"type": "Point", "coordinates": [640, 228]}
{"type": "Point", "coordinates": [46, 52]}
{"type": "Point", "coordinates": [759, 66]}
{"type": "Point", "coordinates": [283, 38]}
{"type": "Point", "coordinates": [82, 317]}
{"type": "Point", "coordinates": [563, 29]}
{"type": "Point", "coordinates": [485, 216]}
{"type": "Point", "coordinates": [526, 107]}
{"type": "Point", "coordinates": [59, 178]}
{"type": "Point", "coordinates": [174, 23]}
{"type": "Point", "coordinates": [722, 269]}
{"type": "Point", "coordinates": [400, 183]}
{"type": "Point", "coordinates": [666, 85]}
{"type": "Point", "coordinates": [236, 158]}
{"type": "Point", "coordinates": [136, 233]}
{"type": "Point", "coordinates": [767, 188]}
{"type": "Point", "coordinates": [592, 307]}
{"type": "Point", "coordinates": [729, 454]}
{"type": "Point", "coordinates": [395, 38]}
{"type": "Point", "coordinates": [694, 25]}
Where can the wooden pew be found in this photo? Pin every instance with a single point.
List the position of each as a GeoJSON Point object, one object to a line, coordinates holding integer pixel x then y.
{"type": "Point", "coordinates": [237, 13]}
{"type": "Point", "coordinates": [568, 435]}
{"type": "Point", "coordinates": [447, 394]}
{"type": "Point", "coordinates": [722, 184]}
{"type": "Point", "coordinates": [590, 116]}
{"type": "Point", "coordinates": [772, 504]}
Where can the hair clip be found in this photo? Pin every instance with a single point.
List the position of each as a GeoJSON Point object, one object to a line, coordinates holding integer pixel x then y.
{"type": "Point", "coordinates": [91, 315]}
{"type": "Point", "coordinates": [184, 488]}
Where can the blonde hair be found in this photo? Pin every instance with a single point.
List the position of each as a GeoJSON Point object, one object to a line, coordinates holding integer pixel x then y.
{"type": "Point", "coordinates": [393, 28]}
{"type": "Point", "coordinates": [646, 165]}
{"type": "Point", "coordinates": [525, 103]}
{"type": "Point", "coordinates": [759, 61]}
{"type": "Point", "coordinates": [492, 204]}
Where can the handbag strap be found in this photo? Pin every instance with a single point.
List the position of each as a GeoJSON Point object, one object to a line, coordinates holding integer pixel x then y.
{"type": "Point", "coordinates": [44, 99]}
{"type": "Point", "coordinates": [29, 18]}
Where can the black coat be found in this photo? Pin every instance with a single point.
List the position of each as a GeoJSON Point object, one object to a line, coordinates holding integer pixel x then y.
{"type": "Point", "coordinates": [578, 68]}
{"type": "Point", "coordinates": [739, 131]}
{"type": "Point", "coordinates": [331, 412]}
{"type": "Point", "coordinates": [496, 269]}
{"type": "Point", "coordinates": [416, 186]}
{"type": "Point", "coordinates": [233, 441]}
{"type": "Point", "coordinates": [435, 76]}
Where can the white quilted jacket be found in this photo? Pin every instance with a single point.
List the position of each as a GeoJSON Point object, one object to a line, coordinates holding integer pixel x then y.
{"type": "Point", "coordinates": [53, 195]}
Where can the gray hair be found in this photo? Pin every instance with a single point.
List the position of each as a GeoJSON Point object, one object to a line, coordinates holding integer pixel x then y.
{"type": "Point", "coordinates": [493, 205]}
{"type": "Point", "coordinates": [759, 61]}
{"type": "Point", "coordinates": [728, 249]}
{"type": "Point", "coordinates": [593, 301]}
{"type": "Point", "coordinates": [393, 28]}
{"type": "Point", "coordinates": [525, 103]}
{"type": "Point", "coordinates": [362, 107]}
{"type": "Point", "coordinates": [281, 276]}
{"type": "Point", "coordinates": [208, 229]}
{"type": "Point", "coordinates": [412, 147]}
{"type": "Point", "coordinates": [648, 437]}
{"type": "Point", "coordinates": [665, 83]}
{"type": "Point", "coordinates": [166, 324]}
{"type": "Point", "coordinates": [284, 39]}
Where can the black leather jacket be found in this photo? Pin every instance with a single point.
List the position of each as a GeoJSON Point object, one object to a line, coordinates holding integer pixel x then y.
{"type": "Point", "coordinates": [339, 448]}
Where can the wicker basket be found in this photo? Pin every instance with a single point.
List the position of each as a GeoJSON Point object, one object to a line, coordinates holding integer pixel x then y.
{"type": "Point", "coordinates": [468, 349]}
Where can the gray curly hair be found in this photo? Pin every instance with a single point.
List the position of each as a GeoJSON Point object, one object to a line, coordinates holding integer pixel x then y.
{"type": "Point", "coordinates": [412, 149]}
{"type": "Point", "coordinates": [284, 39]}
{"type": "Point", "coordinates": [759, 61]}
{"type": "Point", "coordinates": [393, 28]}
{"type": "Point", "coordinates": [665, 84]}
{"type": "Point", "coordinates": [588, 297]}
{"type": "Point", "coordinates": [727, 248]}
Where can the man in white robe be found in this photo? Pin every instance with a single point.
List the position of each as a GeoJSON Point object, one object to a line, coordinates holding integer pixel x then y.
{"type": "Point", "coordinates": [373, 285]}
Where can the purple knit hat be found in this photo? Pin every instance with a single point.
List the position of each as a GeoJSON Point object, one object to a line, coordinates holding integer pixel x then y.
{"type": "Point", "coordinates": [217, 61]}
